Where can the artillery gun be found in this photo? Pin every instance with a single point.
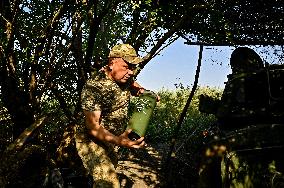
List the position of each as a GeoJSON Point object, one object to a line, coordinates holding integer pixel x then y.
{"type": "Point", "coordinates": [248, 150]}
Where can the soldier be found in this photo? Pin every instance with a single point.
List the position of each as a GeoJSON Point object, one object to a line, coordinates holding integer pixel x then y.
{"type": "Point", "coordinates": [105, 100]}
{"type": "Point", "coordinates": [243, 94]}
{"type": "Point", "coordinates": [245, 60]}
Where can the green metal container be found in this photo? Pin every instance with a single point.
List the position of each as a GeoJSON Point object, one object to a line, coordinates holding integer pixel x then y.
{"type": "Point", "coordinates": [143, 111]}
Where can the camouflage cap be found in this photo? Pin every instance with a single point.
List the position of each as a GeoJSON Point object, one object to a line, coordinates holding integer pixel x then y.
{"type": "Point", "coordinates": [126, 52]}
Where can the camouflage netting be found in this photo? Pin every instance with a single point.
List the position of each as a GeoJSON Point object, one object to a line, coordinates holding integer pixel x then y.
{"type": "Point", "coordinates": [238, 23]}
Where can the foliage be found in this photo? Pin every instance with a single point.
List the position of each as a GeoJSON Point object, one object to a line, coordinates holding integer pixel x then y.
{"type": "Point", "coordinates": [49, 48]}
{"type": "Point", "coordinates": [168, 110]}
{"type": "Point", "coordinates": [224, 22]}
{"type": "Point", "coordinates": [5, 127]}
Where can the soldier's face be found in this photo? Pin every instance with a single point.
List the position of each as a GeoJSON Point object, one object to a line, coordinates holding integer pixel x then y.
{"type": "Point", "coordinates": [120, 70]}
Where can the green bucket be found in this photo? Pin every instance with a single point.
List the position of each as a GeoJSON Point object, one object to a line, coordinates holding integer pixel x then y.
{"type": "Point", "coordinates": [143, 111]}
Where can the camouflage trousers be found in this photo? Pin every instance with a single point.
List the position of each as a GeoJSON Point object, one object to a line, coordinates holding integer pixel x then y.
{"type": "Point", "coordinates": [98, 158]}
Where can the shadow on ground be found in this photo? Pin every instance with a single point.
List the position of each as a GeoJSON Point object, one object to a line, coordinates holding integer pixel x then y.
{"type": "Point", "coordinates": [146, 168]}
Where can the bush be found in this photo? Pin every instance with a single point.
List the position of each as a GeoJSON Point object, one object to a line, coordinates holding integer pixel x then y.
{"type": "Point", "coordinates": [168, 110]}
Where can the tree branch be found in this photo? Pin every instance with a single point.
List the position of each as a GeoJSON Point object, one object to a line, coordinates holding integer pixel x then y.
{"type": "Point", "coordinates": [24, 136]}
{"type": "Point", "coordinates": [94, 28]}
{"type": "Point", "coordinates": [161, 41]}
{"type": "Point", "coordinates": [45, 37]}
{"type": "Point", "coordinates": [94, 25]}
{"type": "Point", "coordinates": [62, 102]}
{"type": "Point", "coordinates": [184, 111]}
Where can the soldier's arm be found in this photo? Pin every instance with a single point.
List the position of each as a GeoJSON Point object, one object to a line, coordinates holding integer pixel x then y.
{"type": "Point", "coordinates": [100, 133]}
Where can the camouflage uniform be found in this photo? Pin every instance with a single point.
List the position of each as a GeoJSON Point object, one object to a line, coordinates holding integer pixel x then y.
{"type": "Point", "coordinates": [102, 94]}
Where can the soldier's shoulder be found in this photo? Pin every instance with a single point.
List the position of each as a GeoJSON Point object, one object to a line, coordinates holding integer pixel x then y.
{"type": "Point", "coordinates": [101, 82]}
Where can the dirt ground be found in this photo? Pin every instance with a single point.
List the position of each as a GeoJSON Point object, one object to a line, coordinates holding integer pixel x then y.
{"type": "Point", "coordinates": [143, 169]}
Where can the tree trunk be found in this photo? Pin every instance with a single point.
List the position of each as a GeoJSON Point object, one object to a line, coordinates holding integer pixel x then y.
{"type": "Point", "coordinates": [17, 103]}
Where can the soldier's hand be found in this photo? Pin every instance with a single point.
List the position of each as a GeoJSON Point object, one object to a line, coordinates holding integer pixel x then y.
{"type": "Point", "coordinates": [126, 142]}
{"type": "Point", "coordinates": [158, 98]}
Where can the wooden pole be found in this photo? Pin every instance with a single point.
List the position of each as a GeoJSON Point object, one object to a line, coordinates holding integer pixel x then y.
{"type": "Point", "coordinates": [183, 114]}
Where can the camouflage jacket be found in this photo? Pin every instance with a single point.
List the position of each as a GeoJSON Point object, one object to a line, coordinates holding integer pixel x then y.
{"type": "Point", "coordinates": [245, 95]}
{"type": "Point", "coordinates": [100, 93]}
